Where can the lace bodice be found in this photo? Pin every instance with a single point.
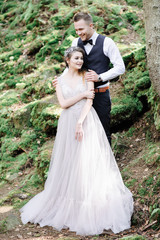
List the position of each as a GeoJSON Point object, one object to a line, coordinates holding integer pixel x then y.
{"type": "Point", "coordinates": [68, 91]}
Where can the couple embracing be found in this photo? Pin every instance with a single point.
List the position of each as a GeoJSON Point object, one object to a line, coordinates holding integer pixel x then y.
{"type": "Point", "coordinates": [84, 190]}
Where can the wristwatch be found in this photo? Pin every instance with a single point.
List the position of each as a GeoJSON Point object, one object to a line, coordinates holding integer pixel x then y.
{"type": "Point", "coordinates": [99, 78]}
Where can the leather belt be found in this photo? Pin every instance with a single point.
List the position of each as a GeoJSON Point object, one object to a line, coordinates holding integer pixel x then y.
{"type": "Point", "coordinates": [97, 90]}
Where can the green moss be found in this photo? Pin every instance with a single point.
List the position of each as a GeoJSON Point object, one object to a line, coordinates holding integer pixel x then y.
{"type": "Point", "coordinates": [43, 159]}
{"type": "Point", "coordinates": [137, 81]}
{"type": "Point", "coordinates": [135, 57]}
{"type": "Point", "coordinates": [156, 186]}
{"type": "Point", "coordinates": [118, 36]}
{"type": "Point", "coordinates": [138, 3]}
{"type": "Point", "coordinates": [142, 191]}
{"type": "Point", "coordinates": [3, 226]}
{"type": "Point", "coordinates": [70, 31]}
{"type": "Point", "coordinates": [12, 81]}
{"type": "Point", "coordinates": [8, 98]}
{"type": "Point", "coordinates": [7, 6]}
{"type": "Point", "coordinates": [8, 148]}
{"type": "Point", "coordinates": [140, 54]}
{"type": "Point", "coordinates": [45, 117]}
{"type": "Point", "coordinates": [142, 83]}
{"type": "Point", "coordinates": [26, 96]}
{"type": "Point", "coordinates": [152, 156]}
{"type": "Point", "coordinates": [155, 215]}
{"type": "Point", "coordinates": [21, 117]}
{"type": "Point", "coordinates": [125, 111]}
{"type": "Point", "coordinates": [35, 23]}
{"type": "Point", "coordinates": [15, 54]}
{"type": "Point", "coordinates": [115, 23]}
{"type": "Point", "coordinates": [20, 85]}
{"type": "Point", "coordinates": [131, 183]}
{"type": "Point", "coordinates": [131, 17]}
{"type": "Point", "coordinates": [2, 86]}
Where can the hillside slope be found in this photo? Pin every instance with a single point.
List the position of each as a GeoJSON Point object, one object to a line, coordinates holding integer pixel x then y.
{"type": "Point", "coordinates": [33, 37]}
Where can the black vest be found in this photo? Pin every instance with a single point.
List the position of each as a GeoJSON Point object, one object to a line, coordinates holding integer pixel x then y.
{"type": "Point", "coordinates": [96, 60]}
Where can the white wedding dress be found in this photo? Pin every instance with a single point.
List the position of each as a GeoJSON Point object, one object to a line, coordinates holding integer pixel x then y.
{"type": "Point", "coordinates": [84, 190]}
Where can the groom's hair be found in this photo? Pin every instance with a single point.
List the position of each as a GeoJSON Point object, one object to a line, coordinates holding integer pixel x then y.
{"type": "Point", "coordinates": [83, 15]}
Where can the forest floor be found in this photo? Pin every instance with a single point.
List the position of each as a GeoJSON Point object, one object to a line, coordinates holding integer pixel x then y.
{"type": "Point", "coordinates": [133, 146]}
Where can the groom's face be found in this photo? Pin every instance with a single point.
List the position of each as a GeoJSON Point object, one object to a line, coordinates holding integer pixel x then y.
{"type": "Point", "coordinates": [84, 29]}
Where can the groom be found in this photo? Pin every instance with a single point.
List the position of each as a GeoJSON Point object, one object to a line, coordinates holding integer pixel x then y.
{"type": "Point", "coordinates": [100, 51]}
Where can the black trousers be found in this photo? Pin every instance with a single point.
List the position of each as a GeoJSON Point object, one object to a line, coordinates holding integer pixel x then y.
{"type": "Point", "coordinates": [102, 105]}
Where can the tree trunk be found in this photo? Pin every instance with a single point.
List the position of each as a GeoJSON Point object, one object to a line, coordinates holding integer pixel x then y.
{"type": "Point", "coordinates": [152, 26]}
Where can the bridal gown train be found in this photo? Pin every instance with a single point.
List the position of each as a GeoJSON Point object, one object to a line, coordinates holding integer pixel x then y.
{"type": "Point", "coordinates": [84, 190]}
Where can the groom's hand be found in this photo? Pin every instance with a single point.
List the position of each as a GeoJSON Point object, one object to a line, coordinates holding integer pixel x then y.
{"type": "Point", "coordinates": [91, 76]}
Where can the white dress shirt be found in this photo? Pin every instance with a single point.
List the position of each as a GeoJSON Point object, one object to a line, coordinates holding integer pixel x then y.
{"type": "Point", "coordinates": [112, 52]}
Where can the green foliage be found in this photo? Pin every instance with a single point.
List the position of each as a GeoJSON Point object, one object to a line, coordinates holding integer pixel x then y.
{"type": "Point", "coordinates": [115, 23]}
{"type": "Point", "coordinates": [131, 183]}
{"type": "Point", "coordinates": [8, 98]}
{"type": "Point", "coordinates": [140, 54]}
{"type": "Point", "coordinates": [118, 36]}
{"type": "Point", "coordinates": [15, 54]}
{"type": "Point", "coordinates": [155, 215]}
{"type": "Point", "coordinates": [33, 38]}
{"type": "Point", "coordinates": [142, 191]}
{"type": "Point", "coordinates": [3, 226]}
{"type": "Point", "coordinates": [125, 111]}
{"type": "Point", "coordinates": [130, 131]}
{"type": "Point", "coordinates": [135, 57]}
{"type": "Point", "coordinates": [45, 117]}
{"type": "Point", "coordinates": [131, 17]}
{"type": "Point", "coordinates": [152, 157]}
{"type": "Point", "coordinates": [12, 81]}
{"type": "Point", "coordinates": [138, 3]}
{"type": "Point", "coordinates": [137, 81]}
{"type": "Point", "coordinates": [35, 180]}
{"type": "Point", "coordinates": [43, 159]}
{"type": "Point", "coordinates": [142, 83]}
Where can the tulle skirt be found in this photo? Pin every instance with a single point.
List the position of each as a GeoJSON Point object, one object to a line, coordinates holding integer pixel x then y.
{"type": "Point", "coordinates": [84, 190]}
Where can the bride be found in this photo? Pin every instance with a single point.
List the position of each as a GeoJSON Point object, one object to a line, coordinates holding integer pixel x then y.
{"type": "Point", "coordinates": [84, 190]}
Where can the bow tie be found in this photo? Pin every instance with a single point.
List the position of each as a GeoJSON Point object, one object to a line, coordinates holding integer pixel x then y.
{"type": "Point", "coordinates": [90, 41]}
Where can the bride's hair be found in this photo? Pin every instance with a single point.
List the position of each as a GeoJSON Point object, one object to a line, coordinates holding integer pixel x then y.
{"type": "Point", "coordinates": [69, 51]}
{"type": "Point", "coordinates": [68, 54]}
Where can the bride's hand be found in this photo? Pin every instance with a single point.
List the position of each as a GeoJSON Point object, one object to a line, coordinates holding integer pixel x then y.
{"type": "Point", "coordinates": [55, 82]}
{"type": "Point", "coordinates": [89, 94]}
{"type": "Point", "coordinates": [79, 132]}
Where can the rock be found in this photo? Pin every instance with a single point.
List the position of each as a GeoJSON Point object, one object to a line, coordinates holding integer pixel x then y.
{"type": "Point", "coordinates": [33, 114]}
{"type": "Point", "coordinates": [12, 221]}
{"type": "Point", "coordinates": [10, 177]}
{"type": "Point", "coordinates": [5, 209]}
{"type": "Point", "coordinates": [8, 98]}
{"type": "Point", "coordinates": [20, 85]}
{"type": "Point", "coordinates": [19, 236]}
{"type": "Point", "coordinates": [22, 196]}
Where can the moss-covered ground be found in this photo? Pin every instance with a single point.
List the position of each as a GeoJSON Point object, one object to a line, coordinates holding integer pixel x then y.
{"type": "Point", "coordinates": [33, 37]}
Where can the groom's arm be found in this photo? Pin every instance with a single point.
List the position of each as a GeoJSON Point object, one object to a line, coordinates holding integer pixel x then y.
{"type": "Point", "coordinates": [112, 52]}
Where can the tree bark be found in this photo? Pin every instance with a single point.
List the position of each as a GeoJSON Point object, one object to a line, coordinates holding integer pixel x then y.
{"type": "Point", "coordinates": [152, 27]}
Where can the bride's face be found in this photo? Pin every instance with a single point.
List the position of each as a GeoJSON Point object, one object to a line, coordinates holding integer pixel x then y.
{"type": "Point", "coordinates": [75, 61]}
